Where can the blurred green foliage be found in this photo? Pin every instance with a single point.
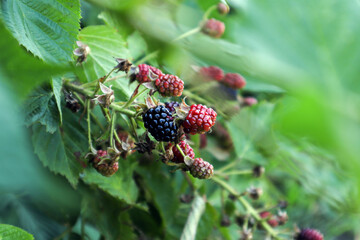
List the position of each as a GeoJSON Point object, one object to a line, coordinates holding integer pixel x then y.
{"type": "Point", "coordinates": [300, 59]}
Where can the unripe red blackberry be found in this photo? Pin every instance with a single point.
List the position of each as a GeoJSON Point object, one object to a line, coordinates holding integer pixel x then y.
{"type": "Point", "coordinates": [159, 122]}
{"type": "Point", "coordinates": [213, 28]}
{"type": "Point", "coordinates": [234, 80]}
{"type": "Point", "coordinates": [103, 165]}
{"type": "Point", "coordinates": [201, 169]}
{"type": "Point", "coordinates": [309, 234]}
{"type": "Point", "coordinates": [199, 119]}
{"type": "Point", "coordinates": [143, 73]}
{"type": "Point", "coordinates": [169, 85]}
{"type": "Point", "coordinates": [187, 150]}
{"type": "Point", "coordinates": [223, 8]}
{"type": "Point", "coordinates": [171, 106]}
{"type": "Point", "coordinates": [212, 73]}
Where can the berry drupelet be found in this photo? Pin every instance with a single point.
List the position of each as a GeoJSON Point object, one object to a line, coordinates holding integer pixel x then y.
{"type": "Point", "coordinates": [159, 122]}
{"type": "Point", "coordinates": [169, 85]}
{"type": "Point", "coordinates": [143, 74]}
{"type": "Point", "coordinates": [309, 234]}
{"type": "Point", "coordinates": [187, 150]}
{"type": "Point", "coordinates": [200, 119]}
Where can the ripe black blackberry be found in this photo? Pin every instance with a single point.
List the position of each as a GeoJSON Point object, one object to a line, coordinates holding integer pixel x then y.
{"type": "Point", "coordinates": [159, 122]}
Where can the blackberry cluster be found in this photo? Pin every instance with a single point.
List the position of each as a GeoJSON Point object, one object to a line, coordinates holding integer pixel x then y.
{"type": "Point", "coordinates": [159, 122]}
{"type": "Point", "coordinates": [171, 106]}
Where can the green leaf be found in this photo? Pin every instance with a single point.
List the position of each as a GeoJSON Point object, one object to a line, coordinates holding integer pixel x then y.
{"type": "Point", "coordinates": [117, 5]}
{"type": "Point", "coordinates": [121, 185]}
{"type": "Point", "coordinates": [22, 71]}
{"type": "Point", "coordinates": [197, 209]}
{"type": "Point", "coordinates": [61, 151]}
{"type": "Point", "coordinates": [41, 107]}
{"type": "Point", "coordinates": [47, 28]}
{"type": "Point", "coordinates": [105, 44]}
{"type": "Point", "coordinates": [8, 232]}
{"type": "Point", "coordinates": [57, 86]}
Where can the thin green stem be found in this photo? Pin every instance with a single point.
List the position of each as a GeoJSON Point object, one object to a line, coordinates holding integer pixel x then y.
{"type": "Point", "coordinates": [89, 124]}
{"type": "Point", "coordinates": [132, 99]}
{"type": "Point", "coordinates": [113, 119]}
{"type": "Point", "coordinates": [180, 150]}
{"type": "Point", "coordinates": [162, 147]}
{"type": "Point", "coordinates": [247, 206]}
{"type": "Point", "coordinates": [97, 88]}
{"type": "Point", "coordinates": [208, 12]}
{"type": "Point", "coordinates": [114, 78]}
{"type": "Point", "coordinates": [187, 34]}
{"type": "Point", "coordinates": [96, 120]}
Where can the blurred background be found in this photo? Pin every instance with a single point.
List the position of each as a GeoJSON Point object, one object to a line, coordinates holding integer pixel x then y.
{"type": "Point", "coordinates": [300, 60]}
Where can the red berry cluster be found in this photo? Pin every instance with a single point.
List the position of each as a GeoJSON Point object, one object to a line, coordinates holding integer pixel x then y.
{"type": "Point", "coordinates": [232, 80]}
{"type": "Point", "coordinates": [213, 28]}
{"type": "Point", "coordinates": [212, 73]}
{"type": "Point", "coordinates": [143, 74]}
{"type": "Point", "coordinates": [169, 85]}
{"type": "Point", "coordinates": [309, 234]}
{"type": "Point", "coordinates": [199, 119]}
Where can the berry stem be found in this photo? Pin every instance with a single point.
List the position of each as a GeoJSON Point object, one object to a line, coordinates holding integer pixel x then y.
{"type": "Point", "coordinates": [91, 114]}
{"type": "Point", "coordinates": [114, 78]}
{"type": "Point", "coordinates": [89, 125]}
{"type": "Point", "coordinates": [102, 80]}
{"type": "Point", "coordinates": [162, 147]}
{"type": "Point", "coordinates": [113, 119]}
{"type": "Point", "coordinates": [208, 12]}
{"type": "Point", "coordinates": [187, 34]}
{"type": "Point", "coordinates": [180, 150]}
{"type": "Point", "coordinates": [132, 99]}
{"type": "Point", "coordinates": [247, 206]}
